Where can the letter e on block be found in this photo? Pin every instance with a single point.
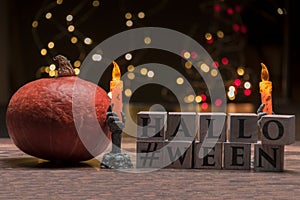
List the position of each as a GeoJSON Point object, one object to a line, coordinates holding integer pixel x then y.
{"type": "Point", "coordinates": [208, 155]}
{"type": "Point", "coordinates": [151, 125]}
{"type": "Point", "coordinates": [277, 129]}
{"type": "Point", "coordinates": [237, 155]}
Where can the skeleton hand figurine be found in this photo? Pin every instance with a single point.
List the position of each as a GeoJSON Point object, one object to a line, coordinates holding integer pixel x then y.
{"type": "Point", "coordinates": [116, 127]}
{"type": "Point", "coordinates": [260, 113]}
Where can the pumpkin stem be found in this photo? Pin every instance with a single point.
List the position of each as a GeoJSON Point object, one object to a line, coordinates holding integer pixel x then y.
{"type": "Point", "coordinates": [65, 68]}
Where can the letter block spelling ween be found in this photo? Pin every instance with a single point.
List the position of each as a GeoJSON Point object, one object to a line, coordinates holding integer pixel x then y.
{"type": "Point", "coordinates": [212, 127]}
{"type": "Point", "coordinates": [181, 126]}
{"type": "Point", "coordinates": [151, 125]}
{"type": "Point", "coordinates": [178, 154]}
{"type": "Point", "coordinates": [242, 127]}
{"type": "Point", "coordinates": [278, 129]}
{"type": "Point", "coordinates": [208, 156]}
{"type": "Point", "coordinates": [149, 154]}
{"type": "Point", "coordinates": [237, 155]}
{"type": "Point", "coordinates": [268, 158]}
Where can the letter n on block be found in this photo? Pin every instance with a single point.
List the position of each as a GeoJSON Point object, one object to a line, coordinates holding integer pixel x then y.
{"type": "Point", "coordinates": [151, 125]}
{"type": "Point", "coordinates": [181, 126]}
{"type": "Point", "coordinates": [149, 154]}
{"type": "Point", "coordinates": [178, 154]}
{"type": "Point", "coordinates": [242, 127]}
{"type": "Point", "coordinates": [268, 158]}
{"type": "Point", "coordinates": [278, 129]}
{"type": "Point", "coordinates": [212, 127]}
{"type": "Point", "coordinates": [208, 155]}
{"type": "Point", "coordinates": [237, 155]}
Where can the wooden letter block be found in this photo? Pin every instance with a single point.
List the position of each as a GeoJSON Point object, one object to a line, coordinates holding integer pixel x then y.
{"type": "Point", "coordinates": [149, 154]}
{"type": "Point", "coordinates": [208, 155]}
{"type": "Point", "coordinates": [242, 127]}
{"type": "Point", "coordinates": [212, 127]}
{"type": "Point", "coordinates": [237, 155]}
{"type": "Point", "coordinates": [268, 158]}
{"type": "Point", "coordinates": [151, 125]}
{"type": "Point", "coordinates": [178, 154]}
{"type": "Point", "coordinates": [181, 126]}
{"type": "Point", "coordinates": [278, 129]}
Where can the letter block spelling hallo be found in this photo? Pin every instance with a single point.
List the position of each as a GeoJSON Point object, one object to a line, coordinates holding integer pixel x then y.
{"type": "Point", "coordinates": [151, 125]}
{"type": "Point", "coordinates": [242, 127]}
{"type": "Point", "coordinates": [181, 126]}
{"type": "Point", "coordinates": [208, 155]}
{"type": "Point", "coordinates": [212, 127]}
{"type": "Point", "coordinates": [277, 129]}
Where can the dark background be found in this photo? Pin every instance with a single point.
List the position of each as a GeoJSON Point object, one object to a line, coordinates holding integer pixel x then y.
{"type": "Point", "coordinates": [271, 38]}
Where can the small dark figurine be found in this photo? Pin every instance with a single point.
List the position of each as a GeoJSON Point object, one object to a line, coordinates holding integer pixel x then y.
{"type": "Point", "coordinates": [115, 159]}
{"type": "Point", "coordinates": [260, 113]}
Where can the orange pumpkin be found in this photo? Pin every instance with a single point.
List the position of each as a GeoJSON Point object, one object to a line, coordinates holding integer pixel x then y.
{"type": "Point", "coordinates": [40, 117]}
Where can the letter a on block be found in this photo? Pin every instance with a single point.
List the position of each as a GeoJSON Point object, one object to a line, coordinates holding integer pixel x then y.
{"type": "Point", "coordinates": [278, 129]}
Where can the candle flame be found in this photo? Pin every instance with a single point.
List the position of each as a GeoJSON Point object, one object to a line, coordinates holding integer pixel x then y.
{"type": "Point", "coordinates": [264, 72]}
{"type": "Point", "coordinates": [116, 73]}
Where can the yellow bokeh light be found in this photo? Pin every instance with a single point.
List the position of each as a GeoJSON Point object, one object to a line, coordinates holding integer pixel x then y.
{"type": "Point", "coordinates": [247, 85]}
{"type": "Point", "coordinates": [52, 73]}
{"type": "Point", "coordinates": [144, 71]}
{"type": "Point", "coordinates": [47, 69]}
{"type": "Point", "coordinates": [208, 36]}
{"type": "Point", "coordinates": [128, 92]}
{"type": "Point", "coordinates": [188, 64]}
{"type": "Point", "coordinates": [150, 74]}
{"type": "Point", "coordinates": [130, 68]}
{"type": "Point", "coordinates": [43, 52]}
{"type": "Point", "coordinates": [186, 55]}
{"type": "Point", "coordinates": [147, 40]}
{"type": "Point", "coordinates": [51, 45]}
{"type": "Point", "coordinates": [128, 56]}
{"type": "Point", "coordinates": [74, 40]}
{"type": "Point", "coordinates": [96, 3]}
{"type": "Point", "coordinates": [59, 2]}
{"type": "Point", "coordinates": [214, 72]}
{"type": "Point", "coordinates": [71, 28]}
{"type": "Point", "coordinates": [69, 18]}
{"type": "Point", "coordinates": [88, 41]}
{"type": "Point", "coordinates": [198, 99]}
{"type": "Point", "coordinates": [128, 15]}
{"type": "Point", "coordinates": [279, 11]}
{"type": "Point", "coordinates": [129, 23]}
{"type": "Point", "coordinates": [240, 71]}
{"type": "Point", "coordinates": [131, 75]}
{"type": "Point", "coordinates": [204, 67]}
{"type": "Point", "coordinates": [52, 67]}
{"type": "Point", "coordinates": [77, 71]}
{"type": "Point", "coordinates": [97, 57]}
{"type": "Point", "coordinates": [179, 81]}
{"type": "Point", "coordinates": [35, 24]}
{"type": "Point", "coordinates": [77, 63]}
{"type": "Point", "coordinates": [141, 15]}
{"type": "Point", "coordinates": [48, 15]}
{"type": "Point", "coordinates": [220, 34]}
{"type": "Point", "coordinates": [232, 89]}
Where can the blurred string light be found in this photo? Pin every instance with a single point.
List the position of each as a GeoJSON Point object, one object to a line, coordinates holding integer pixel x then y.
{"type": "Point", "coordinates": [68, 28]}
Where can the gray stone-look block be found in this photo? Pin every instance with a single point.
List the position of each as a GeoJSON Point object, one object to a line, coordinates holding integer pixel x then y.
{"type": "Point", "coordinates": [277, 129]}
{"type": "Point", "coordinates": [149, 154]}
{"type": "Point", "coordinates": [181, 126]}
{"type": "Point", "coordinates": [242, 127]}
{"type": "Point", "coordinates": [212, 127]}
{"type": "Point", "coordinates": [178, 154]}
{"type": "Point", "coordinates": [268, 158]}
{"type": "Point", "coordinates": [237, 155]}
{"type": "Point", "coordinates": [208, 155]}
{"type": "Point", "coordinates": [151, 125]}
